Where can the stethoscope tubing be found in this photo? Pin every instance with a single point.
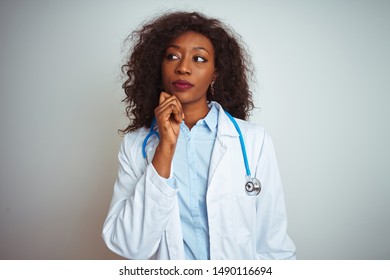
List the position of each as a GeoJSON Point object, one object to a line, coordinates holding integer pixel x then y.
{"type": "Point", "coordinates": [237, 127]}
{"type": "Point", "coordinates": [252, 185]}
{"type": "Point", "coordinates": [243, 149]}
{"type": "Point", "coordinates": [151, 133]}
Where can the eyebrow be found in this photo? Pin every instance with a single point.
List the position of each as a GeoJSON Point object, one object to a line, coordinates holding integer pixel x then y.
{"type": "Point", "coordinates": [194, 48]}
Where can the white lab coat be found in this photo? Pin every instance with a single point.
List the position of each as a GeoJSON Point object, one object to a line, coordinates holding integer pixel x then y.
{"type": "Point", "coordinates": [144, 221]}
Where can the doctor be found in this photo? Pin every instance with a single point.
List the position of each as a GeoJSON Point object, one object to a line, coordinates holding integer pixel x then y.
{"type": "Point", "coordinates": [187, 199]}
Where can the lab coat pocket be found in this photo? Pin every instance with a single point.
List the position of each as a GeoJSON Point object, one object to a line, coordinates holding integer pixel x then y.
{"type": "Point", "coordinates": [244, 217]}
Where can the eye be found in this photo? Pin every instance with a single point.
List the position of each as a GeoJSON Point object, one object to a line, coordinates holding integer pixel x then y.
{"type": "Point", "coordinates": [172, 56]}
{"type": "Point", "coordinates": [199, 59]}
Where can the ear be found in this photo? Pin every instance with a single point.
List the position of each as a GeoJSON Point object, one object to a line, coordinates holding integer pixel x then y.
{"type": "Point", "coordinates": [215, 75]}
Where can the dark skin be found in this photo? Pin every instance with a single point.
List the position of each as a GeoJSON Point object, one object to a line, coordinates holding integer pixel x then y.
{"type": "Point", "coordinates": [187, 70]}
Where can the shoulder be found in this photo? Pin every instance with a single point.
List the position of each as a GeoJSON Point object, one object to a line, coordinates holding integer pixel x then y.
{"type": "Point", "coordinates": [248, 127]}
{"type": "Point", "coordinates": [135, 137]}
{"type": "Point", "coordinates": [130, 153]}
{"type": "Point", "coordinates": [254, 133]}
{"type": "Point", "coordinates": [132, 141]}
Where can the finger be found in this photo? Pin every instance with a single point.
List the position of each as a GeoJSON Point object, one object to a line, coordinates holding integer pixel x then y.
{"type": "Point", "coordinates": [170, 106]}
{"type": "Point", "coordinates": [177, 114]}
{"type": "Point", "coordinates": [166, 102]}
{"type": "Point", "coordinates": [169, 112]}
{"type": "Point", "coordinates": [163, 96]}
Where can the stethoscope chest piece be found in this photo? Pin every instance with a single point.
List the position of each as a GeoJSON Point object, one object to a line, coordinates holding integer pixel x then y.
{"type": "Point", "coordinates": [252, 186]}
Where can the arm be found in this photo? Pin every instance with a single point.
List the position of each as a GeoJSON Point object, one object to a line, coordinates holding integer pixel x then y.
{"type": "Point", "coordinates": [140, 207]}
{"type": "Point", "coordinates": [142, 203]}
{"type": "Point", "coordinates": [169, 115]}
{"type": "Point", "coordinates": [272, 239]}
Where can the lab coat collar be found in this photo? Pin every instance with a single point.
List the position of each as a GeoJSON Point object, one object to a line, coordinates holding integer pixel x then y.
{"type": "Point", "coordinates": [225, 126]}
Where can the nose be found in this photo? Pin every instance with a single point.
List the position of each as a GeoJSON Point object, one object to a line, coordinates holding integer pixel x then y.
{"type": "Point", "coordinates": [183, 67]}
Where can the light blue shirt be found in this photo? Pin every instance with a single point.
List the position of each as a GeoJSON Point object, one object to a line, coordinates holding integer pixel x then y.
{"type": "Point", "coordinates": [191, 171]}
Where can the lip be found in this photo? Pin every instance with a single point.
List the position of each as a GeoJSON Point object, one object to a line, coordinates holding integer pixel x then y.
{"type": "Point", "coordinates": [182, 85]}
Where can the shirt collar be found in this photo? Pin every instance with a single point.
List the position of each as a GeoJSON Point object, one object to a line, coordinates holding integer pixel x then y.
{"type": "Point", "coordinates": [211, 120]}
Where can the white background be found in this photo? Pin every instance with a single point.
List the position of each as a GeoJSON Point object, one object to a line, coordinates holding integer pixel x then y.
{"type": "Point", "coordinates": [322, 91]}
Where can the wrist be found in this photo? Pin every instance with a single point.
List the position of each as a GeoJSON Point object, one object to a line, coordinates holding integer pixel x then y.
{"type": "Point", "coordinates": [162, 159]}
{"type": "Point", "coordinates": [165, 148]}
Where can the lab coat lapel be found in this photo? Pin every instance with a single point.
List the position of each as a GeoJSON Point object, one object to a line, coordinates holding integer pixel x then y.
{"type": "Point", "coordinates": [219, 152]}
{"type": "Point", "coordinates": [226, 131]}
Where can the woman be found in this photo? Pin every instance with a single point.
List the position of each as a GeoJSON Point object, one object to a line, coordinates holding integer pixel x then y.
{"type": "Point", "coordinates": [186, 71]}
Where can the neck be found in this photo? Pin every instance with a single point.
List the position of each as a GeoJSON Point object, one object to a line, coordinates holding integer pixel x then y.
{"type": "Point", "coordinates": [194, 113]}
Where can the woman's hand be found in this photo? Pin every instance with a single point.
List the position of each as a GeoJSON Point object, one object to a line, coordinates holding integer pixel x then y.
{"type": "Point", "coordinates": [169, 115]}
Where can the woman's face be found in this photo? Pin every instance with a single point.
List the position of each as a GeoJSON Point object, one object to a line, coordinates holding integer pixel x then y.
{"type": "Point", "coordinates": [188, 67]}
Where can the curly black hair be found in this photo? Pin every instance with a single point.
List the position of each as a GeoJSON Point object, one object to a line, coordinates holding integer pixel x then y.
{"type": "Point", "coordinates": [143, 68]}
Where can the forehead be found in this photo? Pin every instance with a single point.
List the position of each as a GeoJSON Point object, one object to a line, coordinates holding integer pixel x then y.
{"type": "Point", "coordinates": [192, 39]}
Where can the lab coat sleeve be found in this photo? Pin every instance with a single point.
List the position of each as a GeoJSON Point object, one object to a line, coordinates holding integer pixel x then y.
{"type": "Point", "coordinates": [272, 239]}
{"type": "Point", "coordinates": [140, 208]}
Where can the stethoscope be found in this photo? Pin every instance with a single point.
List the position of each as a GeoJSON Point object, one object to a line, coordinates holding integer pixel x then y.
{"type": "Point", "coordinates": [252, 185]}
